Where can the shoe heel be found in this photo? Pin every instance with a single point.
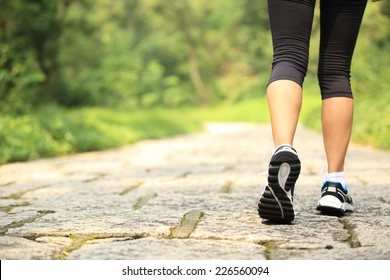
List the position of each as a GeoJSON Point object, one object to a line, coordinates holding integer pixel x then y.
{"type": "Point", "coordinates": [275, 203]}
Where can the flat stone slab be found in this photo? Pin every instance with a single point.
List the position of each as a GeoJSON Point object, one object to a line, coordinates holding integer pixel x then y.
{"type": "Point", "coordinates": [171, 249]}
{"type": "Point", "coordinates": [16, 248]}
{"type": "Point", "coordinates": [189, 197]}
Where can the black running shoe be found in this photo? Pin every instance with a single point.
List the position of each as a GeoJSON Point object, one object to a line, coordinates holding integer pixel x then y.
{"type": "Point", "coordinates": [334, 200]}
{"type": "Point", "coordinates": [276, 202]}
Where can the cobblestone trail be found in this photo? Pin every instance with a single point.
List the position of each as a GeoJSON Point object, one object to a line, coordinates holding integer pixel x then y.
{"type": "Point", "coordinates": [189, 197]}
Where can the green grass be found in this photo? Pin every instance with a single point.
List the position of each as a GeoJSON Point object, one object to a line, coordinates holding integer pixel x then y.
{"type": "Point", "coordinates": [372, 122]}
{"type": "Point", "coordinates": [54, 131]}
{"type": "Point", "coordinates": [254, 110]}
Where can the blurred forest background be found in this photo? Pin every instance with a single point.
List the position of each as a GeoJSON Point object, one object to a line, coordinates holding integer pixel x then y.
{"type": "Point", "coordinates": [81, 75]}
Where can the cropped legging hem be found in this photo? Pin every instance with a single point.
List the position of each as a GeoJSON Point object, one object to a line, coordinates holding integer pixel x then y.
{"type": "Point", "coordinates": [291, 23]}
{"type": "Point", "coordinates": [289, 78]}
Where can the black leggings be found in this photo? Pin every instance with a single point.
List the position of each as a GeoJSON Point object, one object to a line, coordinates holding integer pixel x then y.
{"type": "Point", "coordinates": [291, 24]}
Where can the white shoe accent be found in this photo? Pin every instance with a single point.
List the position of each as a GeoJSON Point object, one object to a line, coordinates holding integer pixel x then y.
{"type": "Point", "coordinates": [284, 172]}
{"type": "Point", "coordinates": [333, 202]}
{"type": "Point", "coordinates": [330, 201]}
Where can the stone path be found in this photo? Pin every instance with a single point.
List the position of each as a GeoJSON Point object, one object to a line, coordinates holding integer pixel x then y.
{"type": "Point", "coordinates": [188, 197]}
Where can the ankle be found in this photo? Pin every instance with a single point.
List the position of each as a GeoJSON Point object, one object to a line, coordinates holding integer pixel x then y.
{"type": "Point", "coordinates": [336, 177]}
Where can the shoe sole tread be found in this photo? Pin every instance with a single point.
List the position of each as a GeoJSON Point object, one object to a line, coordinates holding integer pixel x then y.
{"type": "Point", "coordinates": [275, 205]}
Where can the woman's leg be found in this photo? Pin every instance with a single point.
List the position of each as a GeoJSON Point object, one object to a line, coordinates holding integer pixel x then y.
{"type": "Point", "coordinates": [291, 23]}
{"type": "Point", "coordinates": [284, 102]}
{"type": "Point", "coordinates": [337, 115]}
{"type": "Point", "coordinates": [340, 23]}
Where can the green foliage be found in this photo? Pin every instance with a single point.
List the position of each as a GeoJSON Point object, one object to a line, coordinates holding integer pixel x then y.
{"type": "Point", "coordinates": [130, 53]}
{"type": "Point", "coordinates": [53, 131]}
{"type": "Point", "coordinates": [143, 54]}
{"type": "Point", "coordinates": [123, 56]}
{"type": "Point", "coordinates": [372, 122]}
{"type": "Point", "coordinates": [23, 138]}
{"type": "Point", "coordinates": [28, 40]}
